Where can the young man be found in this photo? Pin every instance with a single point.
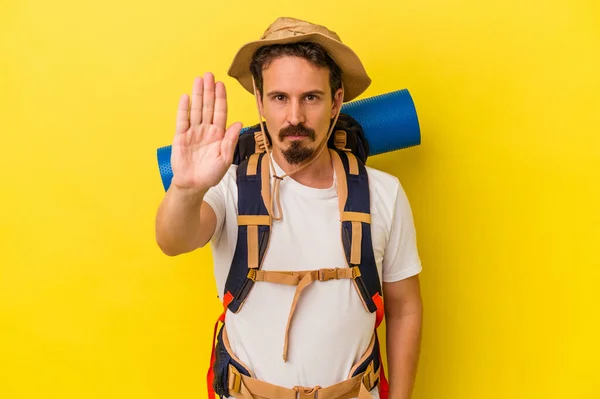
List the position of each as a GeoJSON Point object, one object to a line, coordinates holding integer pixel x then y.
{"type": "Point", "coordinates": [300, 74]}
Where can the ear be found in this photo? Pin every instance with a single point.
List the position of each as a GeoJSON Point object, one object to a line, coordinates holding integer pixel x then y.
{"type": "Point", "coordinates": [338, 100]}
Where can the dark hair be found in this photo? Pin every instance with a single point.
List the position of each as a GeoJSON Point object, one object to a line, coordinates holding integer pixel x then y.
{"type": "Point", "coordinates": [312, 52]}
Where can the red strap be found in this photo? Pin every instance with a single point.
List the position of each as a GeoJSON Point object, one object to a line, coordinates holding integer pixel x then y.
{"type": "Point", "coordinates": [378, 300]}
{"type": "Point", "coordinates": [210, 377]}
{"type": "Point", "coordinates": [226, 301]}
{"type": "Point", "coordinates": [384, 387]}
{"type": "Point", "coordinates": [379, 315]}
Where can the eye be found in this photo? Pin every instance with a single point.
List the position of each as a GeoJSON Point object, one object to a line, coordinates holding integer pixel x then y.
{"type": "Point", "coordinates": [279, 97]}
{"type": "Point", "coordinates": [311, 97]}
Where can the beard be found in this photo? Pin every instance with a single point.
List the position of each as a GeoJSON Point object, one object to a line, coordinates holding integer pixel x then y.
{"type": "Point", "coordinates": [297, 152]}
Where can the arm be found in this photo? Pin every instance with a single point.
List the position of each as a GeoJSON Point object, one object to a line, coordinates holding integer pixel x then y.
{"type": "Point", "coordinates": [201, 153]}
{"type": "Point", "coordinates": [403, 312]}
{"type": "Point", "coordinates": [184, 221]}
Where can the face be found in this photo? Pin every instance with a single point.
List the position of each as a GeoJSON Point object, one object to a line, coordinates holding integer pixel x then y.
{"type": "Point", "coordinates": [297, 107]}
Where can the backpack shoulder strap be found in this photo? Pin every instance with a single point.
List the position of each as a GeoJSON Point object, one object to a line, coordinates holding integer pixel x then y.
{"type": "Point", "coordinates": [254, 228]}
{"type": "Point", "coordinates": [355, 216]}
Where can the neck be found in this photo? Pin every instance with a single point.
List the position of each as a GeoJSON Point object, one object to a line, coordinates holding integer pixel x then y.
{"type": "Point", "coordinates": [319, 174]}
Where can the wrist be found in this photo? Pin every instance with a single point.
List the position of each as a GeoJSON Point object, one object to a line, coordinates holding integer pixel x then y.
{"type": "Point", "coordinates": [190, 195]}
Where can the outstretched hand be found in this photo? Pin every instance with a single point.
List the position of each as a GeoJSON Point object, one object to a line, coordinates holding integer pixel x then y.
{"type": "Point", "coordinates": [203, 148]}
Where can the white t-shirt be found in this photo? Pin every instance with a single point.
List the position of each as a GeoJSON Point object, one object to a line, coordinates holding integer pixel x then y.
{"type": "Point", "coordinates": [331, 329]}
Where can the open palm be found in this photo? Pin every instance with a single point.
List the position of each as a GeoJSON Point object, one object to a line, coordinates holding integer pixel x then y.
{"type": "Point", "coordinates": [203, 149]}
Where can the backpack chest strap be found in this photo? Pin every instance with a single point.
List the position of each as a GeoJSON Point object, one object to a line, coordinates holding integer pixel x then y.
{"type": "Point", "coordinates": [300, 279]}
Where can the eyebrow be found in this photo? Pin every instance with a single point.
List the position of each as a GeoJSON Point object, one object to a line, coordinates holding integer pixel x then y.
{"type": "Point", "coordinates": [281, 93]}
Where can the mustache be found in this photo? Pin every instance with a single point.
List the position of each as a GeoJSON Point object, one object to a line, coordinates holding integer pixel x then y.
{"type": "Point", "coordinates": [298, 130]}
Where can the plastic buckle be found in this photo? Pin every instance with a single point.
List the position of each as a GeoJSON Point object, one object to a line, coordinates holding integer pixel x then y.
{"type": "Point", "coordinates": [252, 274]}
{"type": "Point", "coordinates": [370, 377]}
{"type": "Point", "coordinates": [235, 379]}
{"type": "Point", "coordinates": [327, 274]}
{"type": "Point", "coordinates": [307, 393]}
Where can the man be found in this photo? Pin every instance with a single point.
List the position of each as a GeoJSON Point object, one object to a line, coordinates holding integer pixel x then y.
{"type": "Point", "coordinates": [300, 74]}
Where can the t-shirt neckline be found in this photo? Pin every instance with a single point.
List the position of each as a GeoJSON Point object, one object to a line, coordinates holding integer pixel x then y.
{"type": "Point", "coordinates": [313, 192]}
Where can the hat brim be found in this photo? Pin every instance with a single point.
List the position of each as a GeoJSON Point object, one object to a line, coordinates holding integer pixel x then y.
{"type": "Point", "coordinates": [354, 75]}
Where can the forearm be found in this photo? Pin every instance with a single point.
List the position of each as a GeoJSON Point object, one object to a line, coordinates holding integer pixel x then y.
{"type": "Point", "coordinates": [403, 348]}
{"type": "Point", "coordinates": [178, 220]}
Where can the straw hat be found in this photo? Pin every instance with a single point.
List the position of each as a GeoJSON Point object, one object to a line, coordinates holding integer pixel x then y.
{"type": "Point", "coordinates": [291, 30]}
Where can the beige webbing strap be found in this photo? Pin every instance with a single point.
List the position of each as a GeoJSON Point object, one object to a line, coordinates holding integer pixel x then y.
{"type": "Point", "coordinates": [253, 247]}
{"type": "Point", "coordinates": [244, 387]}
{"type": "Point", "coordinates": [342, 184]}
{"type": "Point", "coordinates": [252, 222]}
{"type": "Point", "coordinates": [274, 277]}
{"type": "Point", "coordinates": [352, 163]}
{"type": "Point", "coordinates": [301, 279]}
{"type": "Point", "coordinates": [293, 278]}
{"type": "Point", "coordinates": [363, 393]}
{"type": "Point", "coordinates": [265, 181]}
{"type": "Point", "coordinates": [356, 217]}
{"type": "Point", "coordinates": [252, 164]}
{"type": "Point", "coordinates": [355, 249]}
{"type": "Point", "coordinates": [307, 279]}
{"type": "Point", "coordinates": [258, 220]}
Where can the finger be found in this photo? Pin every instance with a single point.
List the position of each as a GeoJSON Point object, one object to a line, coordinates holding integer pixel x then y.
{"type": "Point", "coordinates": [183, 123]}
{"type": "Point", "coordinates": [230, 140]}
{"type": "Point", "coordinates": [196, 112]}
{"type": "Point", "coordinates": [208, 100]}
{"type": "Point", "coordinates": [220, 114]}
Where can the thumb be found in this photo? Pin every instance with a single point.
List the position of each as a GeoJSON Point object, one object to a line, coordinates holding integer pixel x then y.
{"type": "Point", "coordinates": [230, 140]}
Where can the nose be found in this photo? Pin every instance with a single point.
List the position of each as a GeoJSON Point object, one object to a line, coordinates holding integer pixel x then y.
{"type": "Point", "coordinates": [296, 113]}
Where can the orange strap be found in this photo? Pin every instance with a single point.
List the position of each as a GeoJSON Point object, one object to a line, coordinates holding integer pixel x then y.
{"type": "Point", "coordinates": [384, 387]}
{"type": "Point", "coordinates": [380, 313]}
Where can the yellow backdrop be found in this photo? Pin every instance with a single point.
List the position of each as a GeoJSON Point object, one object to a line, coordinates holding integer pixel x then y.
{"type": "Point", "coordinates": [505, 189]}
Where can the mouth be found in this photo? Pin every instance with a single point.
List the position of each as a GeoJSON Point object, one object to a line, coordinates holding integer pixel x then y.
{"type": "Point", "coordinates": [295, 137]}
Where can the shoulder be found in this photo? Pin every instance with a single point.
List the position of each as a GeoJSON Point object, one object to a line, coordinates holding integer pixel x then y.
{"type": "Point", "coordinates": [388, 197]}
{"type": "Point", "coordinates": [383, 184]}
{"type": "Point", "coordinates": [381, 177]}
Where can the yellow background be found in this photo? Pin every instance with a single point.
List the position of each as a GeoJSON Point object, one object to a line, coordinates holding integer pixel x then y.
{"type": "Point", "coordinates": [504, 188]}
